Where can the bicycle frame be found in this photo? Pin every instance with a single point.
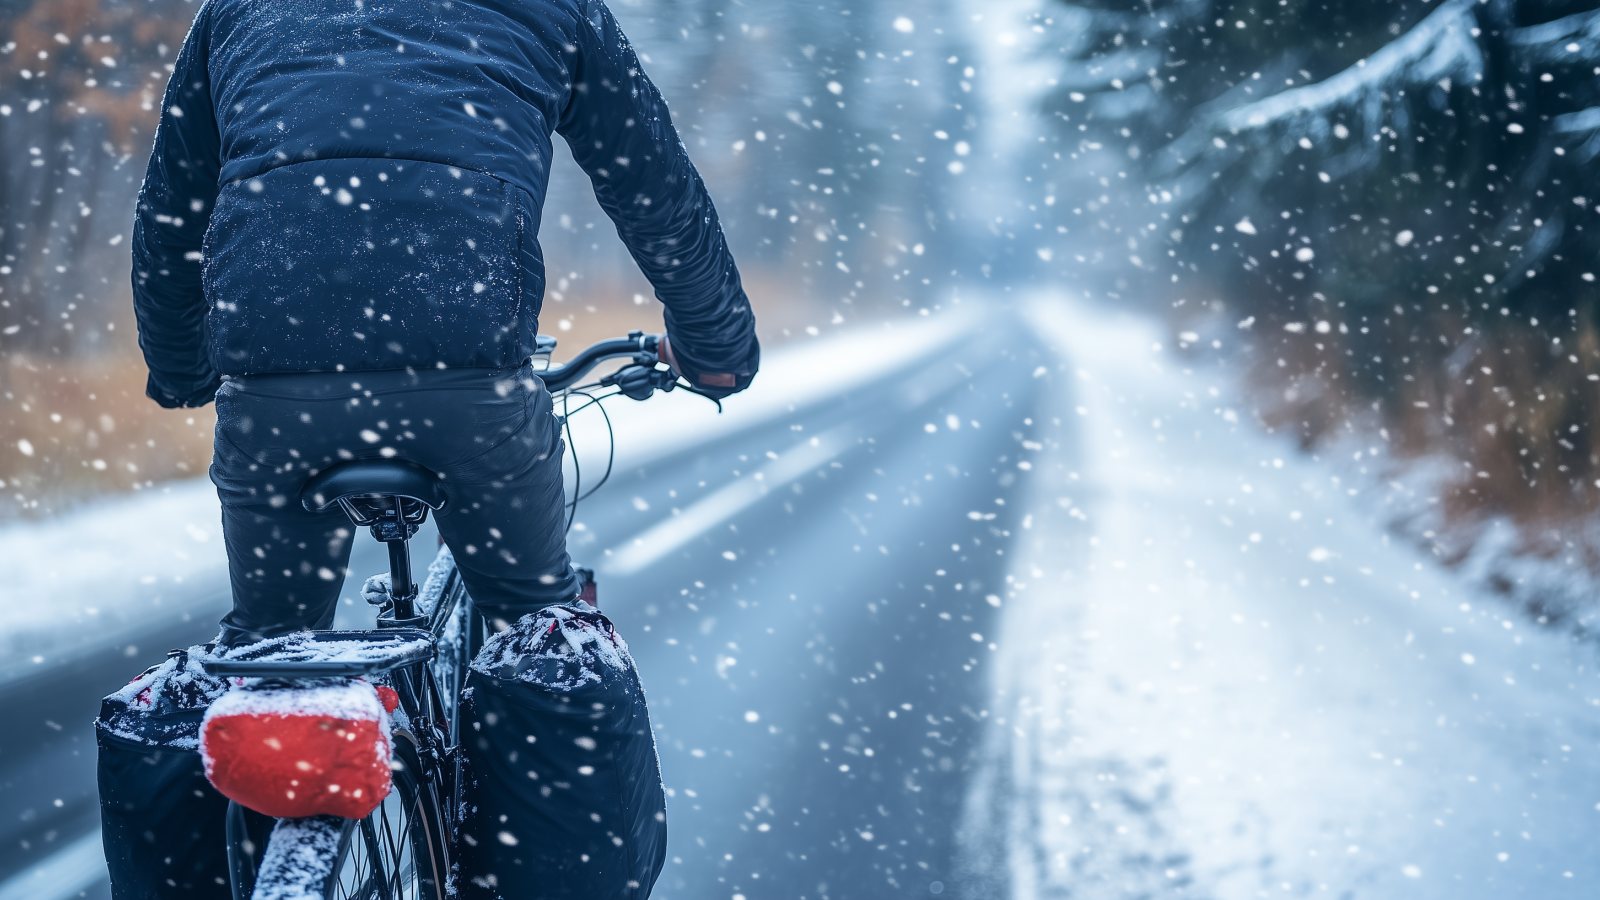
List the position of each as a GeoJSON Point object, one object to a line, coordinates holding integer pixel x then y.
{"type": "Point", "coordinates": [436, 632]}
{"type": "Point", "coordinates": [414, 670]}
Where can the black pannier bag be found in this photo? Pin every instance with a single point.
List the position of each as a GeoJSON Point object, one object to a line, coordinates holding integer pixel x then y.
{"type": "Point", "coordinates": [564, 795]}
{"type": "Point", "coordinates": [162, 822]}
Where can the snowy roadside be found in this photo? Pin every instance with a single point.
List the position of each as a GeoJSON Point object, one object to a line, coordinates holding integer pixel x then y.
{"type": "Point", "coordinates": [1218, 677]}
{"type": "Point", "coordinates": [107, 574]}
{"type": "Point", "coordinates": [110, 574]}
{"type": "Point", "coordinates": [1554, 586]}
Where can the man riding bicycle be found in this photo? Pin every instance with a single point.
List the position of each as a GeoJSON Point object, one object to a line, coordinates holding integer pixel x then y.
{"type": "Point", "coordinates": [337, 241]}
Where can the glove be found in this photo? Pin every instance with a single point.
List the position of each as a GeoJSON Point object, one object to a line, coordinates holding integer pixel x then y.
{"type": "Point", "coordinates": [715, 386]}
{"type": "Point", "coordinates": [185, 397]}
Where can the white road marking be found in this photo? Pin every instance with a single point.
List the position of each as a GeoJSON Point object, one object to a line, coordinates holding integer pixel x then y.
{"type": "Point", "coordinates": [728, 501]}
{"type": "Point", "coordinates": [651, 545]}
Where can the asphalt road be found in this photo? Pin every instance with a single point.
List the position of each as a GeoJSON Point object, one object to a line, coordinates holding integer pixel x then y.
{"type": "Point", "coordinates": [47, 748]}
{"type": "Point", "coordinates": [813, 639]}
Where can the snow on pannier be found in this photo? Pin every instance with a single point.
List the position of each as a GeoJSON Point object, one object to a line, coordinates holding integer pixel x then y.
{"type": "Point", "coordinates": [295, 752]}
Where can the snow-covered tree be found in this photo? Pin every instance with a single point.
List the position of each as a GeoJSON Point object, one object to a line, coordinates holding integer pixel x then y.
{"type": "Point", "coordinates": [1401, 200]}
{"type": "Point", "coordinates": [1420, 112]}
{"type": "Point", "coordinates": [79, 83]}
{"type": "Point", "coordinates": [825, 132]}
{"type": "Point", "coordinates": [831, 134]}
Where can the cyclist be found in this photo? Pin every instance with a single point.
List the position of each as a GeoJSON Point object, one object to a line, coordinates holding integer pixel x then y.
{"type": "Point", "coordinates": [337, 241]}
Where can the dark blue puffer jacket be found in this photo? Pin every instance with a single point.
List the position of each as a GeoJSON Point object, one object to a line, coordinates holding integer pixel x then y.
{"type": "Point", "coordinates": [344, 185]}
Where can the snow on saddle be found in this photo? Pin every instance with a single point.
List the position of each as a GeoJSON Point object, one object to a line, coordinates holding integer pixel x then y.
{"type": "Point", "coordinates": [292, 752]}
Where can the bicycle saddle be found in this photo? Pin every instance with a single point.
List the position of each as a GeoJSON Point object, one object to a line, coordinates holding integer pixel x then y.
{"type": "Point", "coordinates": [363, 479]}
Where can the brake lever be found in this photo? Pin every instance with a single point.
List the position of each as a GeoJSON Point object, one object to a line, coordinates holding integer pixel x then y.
{"type": "Point", "coordinates": [642, 379]}
{"type": "Point", "coordinates": [699, 393]}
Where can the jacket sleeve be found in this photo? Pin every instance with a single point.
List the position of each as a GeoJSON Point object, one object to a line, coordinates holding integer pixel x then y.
{"type": "Point", "coordinates": [621, 134]}
{"type": "Point", "coordinates": [180, 189]}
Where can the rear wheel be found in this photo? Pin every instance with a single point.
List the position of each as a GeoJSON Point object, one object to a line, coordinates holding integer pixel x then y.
{"type": "Point", "coordinates": [398, 851]}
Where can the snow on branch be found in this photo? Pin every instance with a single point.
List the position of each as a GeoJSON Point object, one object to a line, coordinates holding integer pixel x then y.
{"type": "Point", "coordinates": [1439, 50]}
{"type": "Point", "coordinates": [1116, 54]}
{"type": "Point", "coordinates": [1572, 40]}
{"type": "Point", "coordinates": [1583, 122]}
{"type": "Point", "coordinates": [1439, 47]}
{"type": "Point", "coordinates": [1112, 69]}
{"type": "Point", "coordinates": [1113, 84]}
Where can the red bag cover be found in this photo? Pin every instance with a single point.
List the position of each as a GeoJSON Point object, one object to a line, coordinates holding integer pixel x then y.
{"type": "Point", "coordinates": [295, 752]}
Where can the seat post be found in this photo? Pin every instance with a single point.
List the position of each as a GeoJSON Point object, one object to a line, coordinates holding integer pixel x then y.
{"type": "Point", "coordinates": [402, 590]}
{"type": "Point", "coordinates": [374, 493]}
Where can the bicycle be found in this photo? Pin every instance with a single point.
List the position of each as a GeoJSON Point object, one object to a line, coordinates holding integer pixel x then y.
{"type": "Point", "coordinates": [425, 638]}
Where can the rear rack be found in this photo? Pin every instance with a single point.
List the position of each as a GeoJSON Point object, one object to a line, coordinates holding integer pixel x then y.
{"type": "Point", "coordinates": [326, 654]}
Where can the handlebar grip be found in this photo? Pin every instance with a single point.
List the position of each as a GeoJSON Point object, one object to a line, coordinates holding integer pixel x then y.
{"type": "Point", "coordinates": [644, 347]}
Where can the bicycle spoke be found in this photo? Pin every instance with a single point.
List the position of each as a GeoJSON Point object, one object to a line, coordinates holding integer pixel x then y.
{"type": "Point", "coordinates": [374, 837]}
{"type": "Point", "coordinates": [392, 854]}
{"type": "Point", "coordinates": [392, 869]}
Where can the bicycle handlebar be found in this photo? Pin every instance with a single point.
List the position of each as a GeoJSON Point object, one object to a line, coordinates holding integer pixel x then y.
{"type": "Point", "coordinates": [644, 348]}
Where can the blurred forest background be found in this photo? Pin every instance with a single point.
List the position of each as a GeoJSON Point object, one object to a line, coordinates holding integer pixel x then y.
{"type": "Point", "coordinates": [1383, 209]}
{"type": "Point", "coordinates": [1392, 204]}
{"type": "Point", "coordinates": [833, 139]}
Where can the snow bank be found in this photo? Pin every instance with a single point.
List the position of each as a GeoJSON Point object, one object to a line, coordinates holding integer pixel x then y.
{"type": "Point", "coordinates": [109, 574]}
{"type": "Point", "coordinates": [1217, 676]}
{"type": "Point", "coordinates": [1545, 574]}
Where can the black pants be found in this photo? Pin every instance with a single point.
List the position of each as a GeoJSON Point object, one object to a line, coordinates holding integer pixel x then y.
{"type": "Point", "coordinates": [491, 434]}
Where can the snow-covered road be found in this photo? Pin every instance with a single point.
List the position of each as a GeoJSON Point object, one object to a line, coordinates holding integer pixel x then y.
{"type": "Point", "coordinates": [1211, 674]}
{"type": "Point", "coordinates": [1222, 679]}
{"type": "Point", "coordinates": [91, 598]}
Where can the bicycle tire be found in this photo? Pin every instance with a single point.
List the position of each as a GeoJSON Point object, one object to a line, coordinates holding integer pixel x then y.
{"type": "Point", "coordinates": [398, 852]}
{"type": "Point", "coordinates": [406, 836]}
